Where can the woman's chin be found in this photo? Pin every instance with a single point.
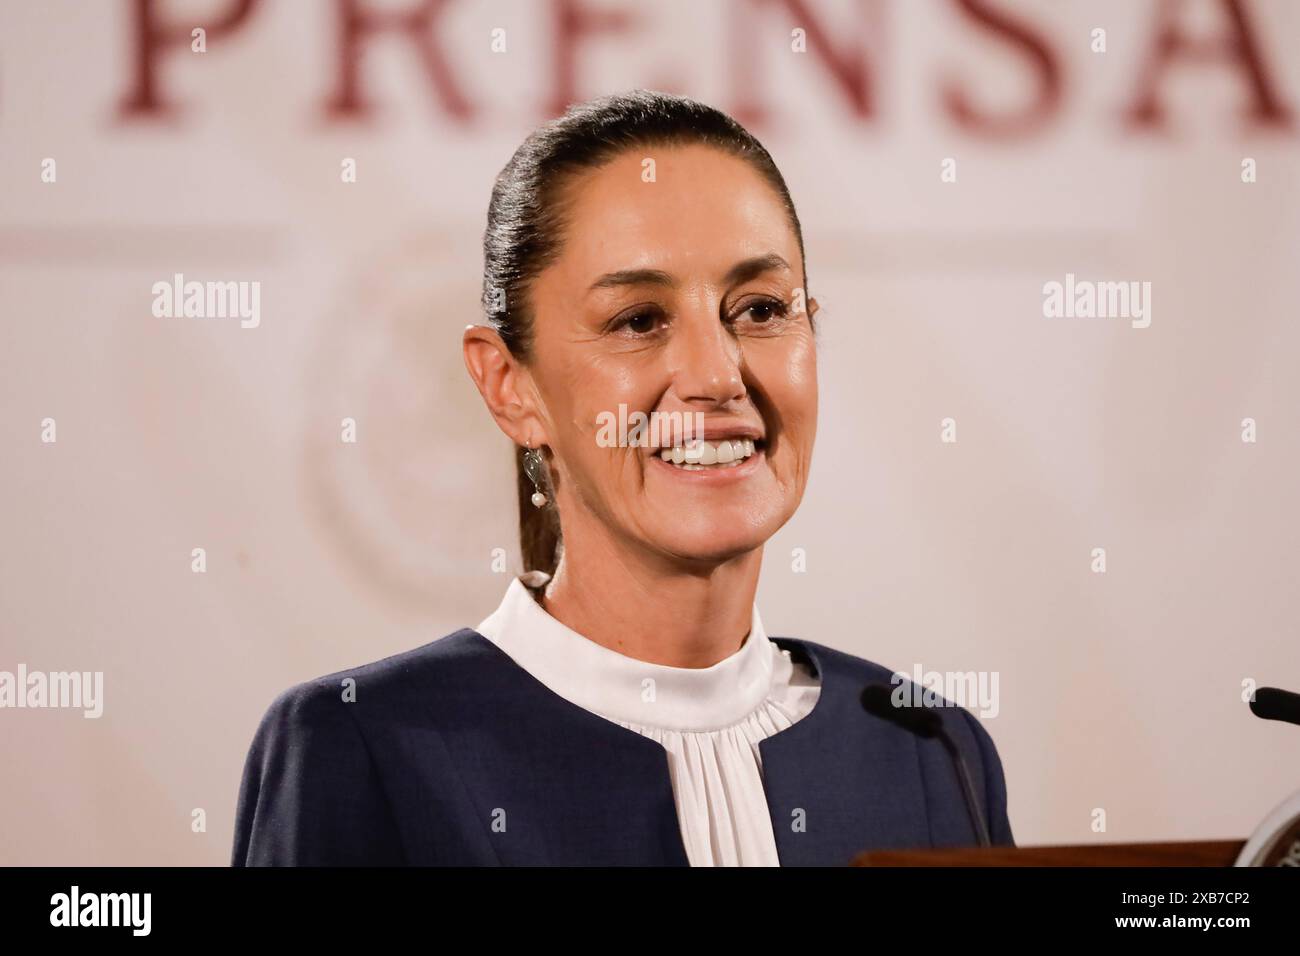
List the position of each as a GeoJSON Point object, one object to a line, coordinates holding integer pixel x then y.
{"type": "Point", "coordinates": [715, 554]}
{"type": "Point", "coordinates": [713, 542]}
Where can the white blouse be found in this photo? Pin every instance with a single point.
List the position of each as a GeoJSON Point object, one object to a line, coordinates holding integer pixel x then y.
{"type": "Point", "coordinates": [709, 719]}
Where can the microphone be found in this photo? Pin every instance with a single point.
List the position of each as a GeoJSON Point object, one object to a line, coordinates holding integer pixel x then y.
{"type": "Point", "coordinates": [877, 700]}
{"type": "Point", "coordinates": [1272, 703]}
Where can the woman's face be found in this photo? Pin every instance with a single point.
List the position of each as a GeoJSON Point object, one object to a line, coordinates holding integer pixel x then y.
{"type": "Point", "coordinates": [676, 295]}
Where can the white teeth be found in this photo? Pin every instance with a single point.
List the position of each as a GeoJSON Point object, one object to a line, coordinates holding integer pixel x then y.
{"type": "Point", "coordinates": [697, 454]}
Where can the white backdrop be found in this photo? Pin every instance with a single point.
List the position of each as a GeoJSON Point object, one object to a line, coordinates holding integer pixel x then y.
{"type": "Point", "coordinates": [1119, 691]}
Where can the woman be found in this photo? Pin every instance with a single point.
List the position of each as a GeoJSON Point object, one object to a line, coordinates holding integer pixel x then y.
{"type": "Point", "coordinates": [644, 264]}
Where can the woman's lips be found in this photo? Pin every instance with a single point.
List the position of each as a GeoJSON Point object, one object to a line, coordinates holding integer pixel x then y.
{"type": "Point", "coordinates": [712, 474]}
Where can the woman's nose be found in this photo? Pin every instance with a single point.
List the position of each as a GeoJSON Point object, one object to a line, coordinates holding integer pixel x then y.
{"type": "Point", "coordinates": [706, 361]}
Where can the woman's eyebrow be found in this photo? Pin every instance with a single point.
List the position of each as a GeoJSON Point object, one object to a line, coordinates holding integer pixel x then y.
{"type": "Point", "coordinates": [751, 268]}
{"type": "Point", "coordinates": [612, 280]}
{"type": "Point", "coordinates": [742, 271]}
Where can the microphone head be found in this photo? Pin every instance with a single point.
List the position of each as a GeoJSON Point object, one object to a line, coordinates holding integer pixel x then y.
{"type": "Point", "coordinates": [1272, 703]}
{"type": "Point", "coordinates": [878, 700]}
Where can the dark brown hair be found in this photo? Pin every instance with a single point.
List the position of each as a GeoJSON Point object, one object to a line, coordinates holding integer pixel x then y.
{"type": "Point", "coordinates": [525, 230]}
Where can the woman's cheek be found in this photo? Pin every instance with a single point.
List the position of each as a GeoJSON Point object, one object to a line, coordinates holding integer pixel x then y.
{"type": "Point", "coordinates": [789, 375]}
{"type": "Point", "coordinates": [801, 359]}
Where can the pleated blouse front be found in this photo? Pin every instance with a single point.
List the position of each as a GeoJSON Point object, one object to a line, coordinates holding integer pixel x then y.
{"type": "Point", "coordinates": [710, 720]}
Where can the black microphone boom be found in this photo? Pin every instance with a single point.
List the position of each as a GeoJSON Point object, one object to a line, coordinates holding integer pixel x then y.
{"type": "Point", "coordinates": [1272, 703]}
{"type": "Point", "coordinates": [878, 701]}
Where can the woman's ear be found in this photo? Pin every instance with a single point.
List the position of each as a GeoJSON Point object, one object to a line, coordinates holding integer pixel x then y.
{"type": "Point", "coordinates": [504, 383]}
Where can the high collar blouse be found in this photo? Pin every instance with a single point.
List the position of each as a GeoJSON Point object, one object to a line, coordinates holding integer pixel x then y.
{"type": "Point", "coordinates": [710, 720]}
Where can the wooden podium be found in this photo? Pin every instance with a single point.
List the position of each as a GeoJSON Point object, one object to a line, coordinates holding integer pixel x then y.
{"type": "Point", "coordinates": [1204, 853]}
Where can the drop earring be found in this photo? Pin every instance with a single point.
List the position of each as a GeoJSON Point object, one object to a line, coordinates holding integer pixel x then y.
{"type": "Point", "coordinates": [533, 469]}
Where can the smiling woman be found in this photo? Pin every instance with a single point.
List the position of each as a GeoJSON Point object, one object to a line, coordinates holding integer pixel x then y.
{"type": "Point", "coordinates": [623, 704]}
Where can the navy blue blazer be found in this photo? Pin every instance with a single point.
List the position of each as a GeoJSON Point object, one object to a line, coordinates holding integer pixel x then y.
{"type": "Point", "coordinates": [453, 754]}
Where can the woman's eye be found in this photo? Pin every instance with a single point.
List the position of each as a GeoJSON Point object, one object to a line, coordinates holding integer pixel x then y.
{"type": "Point", "coordinates": [638, 323]}
{"type": "Point", "coordinates": [762, 311]}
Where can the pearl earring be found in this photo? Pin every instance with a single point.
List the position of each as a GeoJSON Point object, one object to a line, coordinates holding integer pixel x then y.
{"type": "Point", "coordinates": [533, 469]}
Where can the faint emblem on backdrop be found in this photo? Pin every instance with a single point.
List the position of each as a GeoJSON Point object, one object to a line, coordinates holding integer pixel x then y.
{"type": "Point", "coordinates": [410, 502]}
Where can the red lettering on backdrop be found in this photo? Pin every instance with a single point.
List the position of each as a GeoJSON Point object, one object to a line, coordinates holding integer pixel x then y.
{"type": "Point", "coordinates": [155, 37]}
{"type": "Point", "coordinates": [848, 68]}
{"type": "Point", "coordinates": [1034, 50]}
{"type": "Point", "coordinates": [358, 24]}
{"type": "Point", "coordinates": [573, 23]}
{"type": "Point", "coordinates": [1238, 47]}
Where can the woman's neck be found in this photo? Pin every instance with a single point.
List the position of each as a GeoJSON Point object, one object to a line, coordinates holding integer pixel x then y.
{"type": "Point", "coordinates": [651, 609]}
